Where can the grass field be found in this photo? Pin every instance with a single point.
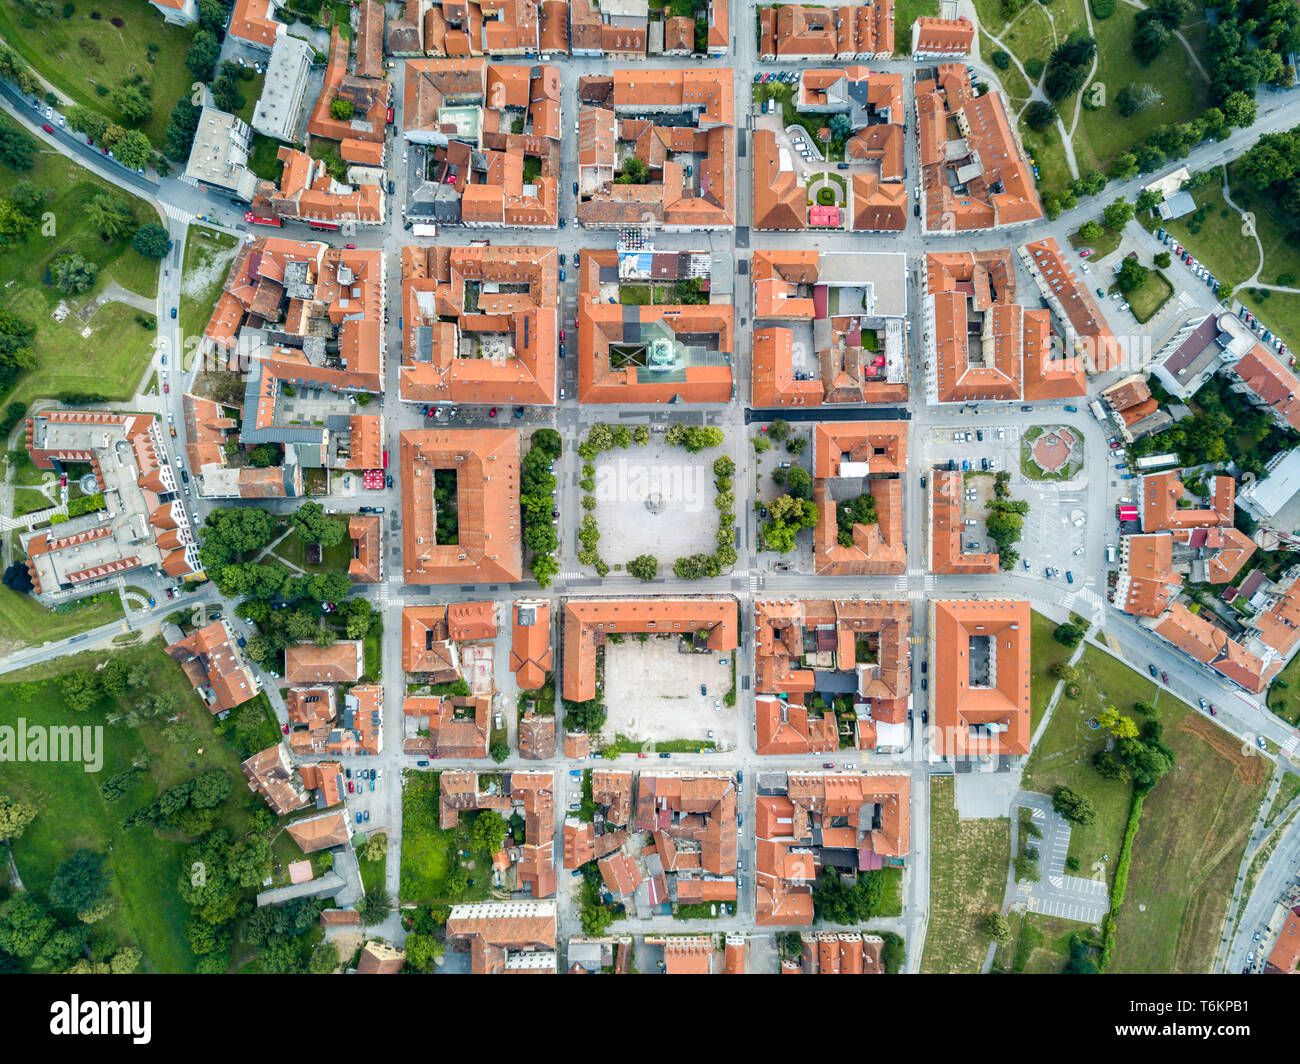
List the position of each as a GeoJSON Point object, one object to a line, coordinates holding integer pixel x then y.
{"type": "Point", "coordinates": [25, 622]}
{"type": "Point", "coordinates": [72, 814]}
{"type": "Point", "coordinates": [372, 872]}
{"type": "Point", "coordinates": [113, 357]}
{"type": "Point", "coordinates": [207, 261]}
{"type": "Point", "coordinates": [1218, 241]}
{"type": "Point", "coordinates": [1063, 755]}
{"type": "Point", "coordinates": [251, 91]}
{"type": "Point", "coordinates": [428, 851]}
{"type": "Point", "coordinates": [905, 13]}
{"type": "Point", "coordinates": [1044, 652]}
{"type": "Point", "coordinates": [1040, 945]}
{"type": "Point", "coordinates": [1149, 297]}
{"type": "Point", "coordinates": [294, 551]}
{"type": "Point", "coordinates": [968, 874]}
{"type": "Point", "coordinates": [1101, 247]}
{"type": "Point", "coordinates": [1188, 849]}
{"type": "Point", "coordinates": [1286, 794]}
{"type": "Point", "coordinates": [1103, 133]}
{"type": "Point", "coordinates": [53, 48]}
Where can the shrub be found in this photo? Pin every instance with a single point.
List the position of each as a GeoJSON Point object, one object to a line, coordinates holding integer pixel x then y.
{"type": "Point", "coordinates": [1034, 68]}
{"type": "Point", "coordinates": [1001, 60]}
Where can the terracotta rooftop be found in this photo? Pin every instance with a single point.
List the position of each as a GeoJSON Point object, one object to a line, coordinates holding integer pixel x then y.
{"type": "Point", "coordinates": [486, 464]}
{"type": "Point", "coordinates": [1092, 339]}
{"type": "Point", "coordinates": [530, 645]}
{"type": "Point", "coordinates": [946, 528]}
{"type": "Point", "coordinates": [1212, 646]}
{"type": "Point", "coordinates": [587, 622]}
{"type": "Point", "coordinates": [1147, 583]}
{"type": "Point", "coordinates": [306, 663]}
{"type": "Point", "coordinates": [850, 458]}
{"type": "Point", "coordinates": [1271, 383]}
{"type": "Point", "coordinates": [366, 533]}
{"type": "Point", "coordinates": [227, 681]}
{"type": "Point", "coordinates": [320, 832]}
{"type": "Point", "coordinates": [1161, 493]}
{"type": "Point", "coordinates": [979, 655]}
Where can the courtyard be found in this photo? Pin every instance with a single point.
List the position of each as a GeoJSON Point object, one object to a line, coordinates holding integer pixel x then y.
{"type": "Point", "coordinates": [653, 692]}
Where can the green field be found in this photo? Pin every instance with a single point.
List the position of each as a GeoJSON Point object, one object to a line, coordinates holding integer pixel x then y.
{"type": "Point", "coordinates": [1040, 944]}
{"type": "Point", "coordinates": [25, 622]}
{"type": "Point", "coordinates": [207, 261]}
{"type": "Point", "coordinates": [72, 814]}
{"type": "Point", "coordinates": [905, 13]}
{"type": "Point", "coordinates": [1149, 296]}
{"type": "Point", "coordinates": [428, 851]}
{"type": "Point", "coordinates": [1217, 239]}
{"type": "Point", "coordinates": [1104, 133]}
{"type": "Point", "coordinates": [112, 359]}
{"type": "Point", "coordinates": [968, 875]}
{"type": "Point", "coordinates": [52, 46]}
{"type": "Point", "coordinates": [1044, 652]}
{"type": "Point", "coordinates": [1063, 756]}
{"type": "Point", "coordinates": [293, 550]}
{"type": "Point", "coordinates": [1188, 849]}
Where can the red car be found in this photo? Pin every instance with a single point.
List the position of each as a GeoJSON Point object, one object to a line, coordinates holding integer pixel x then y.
{"type": "Point", "coordinates": [1085, 253]}
{"type": "Point", "coordinates": [63, 480]}
{"type": "Point", "coordinates": [47, 127]}
{"type": "Point", "coordinates": [561, 336]}
{"type": "Point", "coordinates": [492, 412]}
{"type": "Point", "coordinates": [350, 247]}
{"type": "Point", "coordinates": [167, 388]}
{"type": "Point", "coordinates": [284, 728]}
{"type": "Point", "coordinates": [349, 786]}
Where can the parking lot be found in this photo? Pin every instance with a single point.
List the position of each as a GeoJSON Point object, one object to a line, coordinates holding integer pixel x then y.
{"type": "Point", "coordinates": [653, 692]}
{"type": "Point", "coordinates": [1057, 525]}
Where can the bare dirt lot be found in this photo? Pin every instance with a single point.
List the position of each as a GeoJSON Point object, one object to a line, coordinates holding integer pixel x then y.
{"type": "Point", "coordinates": [653, 692]}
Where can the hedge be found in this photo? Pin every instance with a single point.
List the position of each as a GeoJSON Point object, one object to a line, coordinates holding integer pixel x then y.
{"type": "Point", "coordinates": [1121, 881]}
{"type": "Point", "coordinates": [1102, 8]}
{"type": "Point", "coordinates": [86, 504]}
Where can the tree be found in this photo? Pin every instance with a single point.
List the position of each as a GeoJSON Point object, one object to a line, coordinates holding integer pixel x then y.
{"type": "Point", "coordinates": [799, 481]}
{"type": "Point", "coordinates": [341, 108]}
{"type": "Point", "coordinates": [14, 818]}
{"type": "Point", "coordinates": [1068, 66]}
{"type": "Point", "coordinates": [1123, 166]}
{"type": "Point", "coordinates": [635, 172]}
{"type": "Point", "coordinates": [18, 577]}
{"type": "Point", "coordinates": [1116, 214]}
{"type": "Point", "coordinates": [16, 147]}
{"type": "Point", "coordinates": [1090, 230]}
{"type": "Point", "coordinates": [1069, 634]}
{"type": "Point", "coordinates": [499, 752]}
{"type": "Point", "coordinates": [24, 925]}
{"type": "Point", "coordinates": [109, 216]}
{"type": "Point", "coordinates": [201, 58]}
{"type": "Point", "coordinates": [644, 567]}
{"type": "Point", "coordinates": [1239, 109]}
{"type": "Point", "coordinates": [1132, 276]}
{"type": "Point", "coordinates": [84, 120]}
{"type": "Point", "coordinates": [73, 274]}
{"type": "Point", "coordinates": [489, 831]}
{"type": "Point", "coordinates": [423, 951]}
{"type": "Point", "coordinates": [132, 102]}
{"type": "Point", "coordinates": [1163, 260]}
{"type": "Point", "coordinates": [80, 883]}
{"type": "Point", "coordinates": [313, 526]}
{"type": "Point", "coordinates": [1065, 672]}
{"type": "Point", "coordinates": [151, 241]}
{"type": "Point", "coordinates": [1150, 38]}
{"type": "Point", "coordinates": [1039, 115]}
{"type": "Point", "coordinates": [997, 927]}
{"type": "Point", "coordinates": [1075, 807]}
{"type": "Point", "coordinates": [324, 959]}
{"type": "Point", "coordinates": [1001, 59]}
{"type": "Point", "coordinates": [80, 690]}
{"type": "Point", "coordinates": [134, 150]}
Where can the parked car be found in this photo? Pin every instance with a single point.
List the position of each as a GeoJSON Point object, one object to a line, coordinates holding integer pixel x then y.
{"type": "Point", "coordinates": [704, 690]}
{"type": "Point", "coordinates": [366, 816]}
{"type": "Point", "coordinates": [358, 818]}
{"type": "Point", "coordinates": [422, 763]}
{"type": "Point", "coordinates": [925, 666]}
{"type": "Point", "coordinates": [1164, 677]}
{"type": "Point", "coordinates": [925, 684]}
{"type": "Point", "coordinates": [665, 755]}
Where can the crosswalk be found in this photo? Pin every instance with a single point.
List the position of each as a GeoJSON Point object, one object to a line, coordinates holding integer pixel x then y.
{"type": "Point", "coordinates": [176, 213]}
{"type": "Point", "coordinates": [1288, 747]}
{"type": "Point", "coordinates": [571, 574]}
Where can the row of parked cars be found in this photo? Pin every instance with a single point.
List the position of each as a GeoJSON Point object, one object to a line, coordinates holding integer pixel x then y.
{"type": "Point", "coordinates": [788, 76]}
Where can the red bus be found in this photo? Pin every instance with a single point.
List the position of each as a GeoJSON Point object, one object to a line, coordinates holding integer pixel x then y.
{"type": "Point", "coordinates": [390, 116]}
{"type": "Point", "coordinates": [328, 227]}
{"type": "Point", "coordinates": [256, 219]}
{"type": "Point", "coordinates": [385, 459]}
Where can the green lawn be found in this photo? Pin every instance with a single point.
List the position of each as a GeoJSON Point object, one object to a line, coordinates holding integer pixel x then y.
{"type": "Point", "coordinates": [293, 550]}
{"type": "Point", "coordinates": [1188, 848]}
{"type": "Point", "coordinates": [1063, 755]}
{"type": "Point", "coordinates": [112, 358]}
{"type": "Point", "coordinates": [1103, 133]}
{"type": "Point", "coordinates": [1040, 945]}
{"type": "Point", "coordinates": [1214, 235]}
{"type": "Point", "coordinates": [29, 500]}
{"type": "Point", "coordinates": [25, 622]}
{"type": "Point", "coordinates": [372, 872]}
{"type": "Point", "coordinates": [905, 13]}
{"type": "Point", "coordinates": [52, 46]}
{"type": "Point", "coordinates": [1149, 296]}
{"type": "Point", "coordinates": [968, 875]}
{"type": "Point", "coordinates": [264, 159]}
{"type": "Point", "coordinates": [1044, 652]}
{"type": "Point", "coordinates": [207, 261]}
{"type": "Point", "coordinates": [251, 91]}
{"type": "Point", "coordinates": [1101, 247]}
{"type": "Point", "coordinates": [428, 851]}
{"type": "Point", "coordinates": [72, 813]}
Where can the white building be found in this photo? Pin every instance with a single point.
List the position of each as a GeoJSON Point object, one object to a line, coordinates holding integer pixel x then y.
{"type": "Point", "coordinates": [279, 109]}
{"type": "Point", "coordinates": [219, 157]}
